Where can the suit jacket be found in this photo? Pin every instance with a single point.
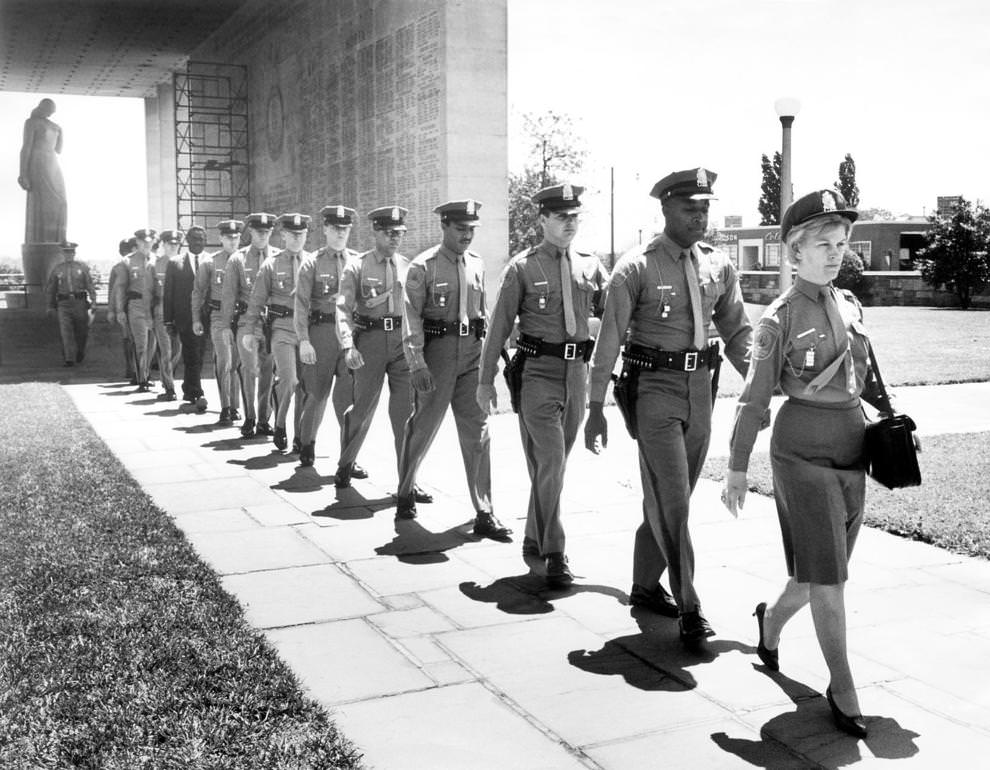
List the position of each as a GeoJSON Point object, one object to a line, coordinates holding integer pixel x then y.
{"type": "Point", "coordinates": [180, 275]}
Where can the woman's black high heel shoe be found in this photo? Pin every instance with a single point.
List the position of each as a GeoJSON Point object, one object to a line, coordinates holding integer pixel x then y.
{"type": "Point", "coordinates": [770, 658]}
{"type": "Point", "coordinates": [853, 725]}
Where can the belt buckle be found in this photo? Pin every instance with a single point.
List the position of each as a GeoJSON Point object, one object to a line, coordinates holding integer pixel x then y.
{"type": "Point", "coordinates": [570, 351]}
{"type": "Point", "coordinates": [463, 329]}
{"type": "Point", "coordinates": [388, 323]}
{"type": "Point", "coordinates": [690, 361]}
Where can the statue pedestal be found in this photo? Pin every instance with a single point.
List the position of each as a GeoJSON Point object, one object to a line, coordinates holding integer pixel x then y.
{"type": "Point", "coordinates": [38, 260]}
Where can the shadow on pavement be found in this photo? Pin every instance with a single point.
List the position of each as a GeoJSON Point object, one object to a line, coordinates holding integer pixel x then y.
{"type": "Point", "coordinates": [415, 544]}
{"type": "Point", "coordinates": [351, 505]}
{"type": "Point", "coordinates": [887, 739]}
{"type": "Point", "coordinates": [234, 443]}
{"type": "Point", "coordinates": [271, 460]}
{"type": "Point", "coordinates": [528, 594]}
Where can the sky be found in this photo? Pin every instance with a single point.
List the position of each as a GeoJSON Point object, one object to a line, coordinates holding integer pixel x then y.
{"type": "Point", "coordinates": [656, 86]}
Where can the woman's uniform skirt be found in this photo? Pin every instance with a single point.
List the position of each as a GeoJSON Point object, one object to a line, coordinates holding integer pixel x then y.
{"type": "Point", "coordinates": [819, 484]}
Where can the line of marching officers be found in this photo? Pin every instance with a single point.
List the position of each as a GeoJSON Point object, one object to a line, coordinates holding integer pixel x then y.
{"type": "Point", "coordinates": [287, 323]}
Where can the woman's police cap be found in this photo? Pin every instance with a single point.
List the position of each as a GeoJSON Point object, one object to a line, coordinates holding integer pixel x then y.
{"type": "Point", "coordinates": [559, 197]}
{"type": "Point", "coordinates": [338, 215]}
{"type": "Point", "coordinates": [694, 184]}
{"type": "Point", "coordinates": [458, 211]}
{"type": "Point", "coordinates": [819, 203]}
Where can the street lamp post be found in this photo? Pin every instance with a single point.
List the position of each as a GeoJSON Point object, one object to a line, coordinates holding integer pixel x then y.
{"type": "Point", "coordinates": [786, 107]}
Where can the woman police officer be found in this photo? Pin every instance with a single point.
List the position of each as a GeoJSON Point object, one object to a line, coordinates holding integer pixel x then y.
{"type": "Point", "coordinates": [811, 342]}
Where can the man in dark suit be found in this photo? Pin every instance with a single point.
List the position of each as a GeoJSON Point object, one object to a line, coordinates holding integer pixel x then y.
{"type": "Point", "coordinates": [177, 313]}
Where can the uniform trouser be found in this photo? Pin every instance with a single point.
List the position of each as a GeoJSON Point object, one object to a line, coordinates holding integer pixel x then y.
{"type": "Point", "coordinates": [192, 347]}
{"type": "Point", "coordinates": [383, 357]}
{"type": "Point", "coordinates": [453, 363]}
{"type": "Point", "coordinates": [73, 327]}
{"type": "Point", "coordinates": [169, 351]}
{"type": "Point", "coordinates": [143, 333]}
{"type": "Point", "coordinates": [130, 359]}
{"type": "Point", "coordinates": [674, 413]}
{"type": "Point", "coordinates": [285, 353]}
{"type": "Point", "coordinates": [551, 409]}
{"type": "Point", "coordinates": [257, 375]}
{"type": "Point", "coordinates": [226, 365]}
{"type": "Point", "coordinates": [328, 374]}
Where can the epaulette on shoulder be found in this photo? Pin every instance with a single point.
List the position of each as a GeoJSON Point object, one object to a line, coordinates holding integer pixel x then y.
{"type": "Point", "coordinates": [523, 254]}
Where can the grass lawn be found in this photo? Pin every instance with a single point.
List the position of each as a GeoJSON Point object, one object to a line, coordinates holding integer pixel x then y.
{"type": "Point", "coordinates": [118, 646]}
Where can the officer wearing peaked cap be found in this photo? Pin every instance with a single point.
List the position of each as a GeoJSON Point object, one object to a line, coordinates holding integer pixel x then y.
{"type": "Point", "coordinates": [71, 294]}
{"type": "Point", "coordinates": [116, 312]}
{"type": "Point", "coordinates": [257, 365]}
{"type": "Point", "coordinates": [134, 299]}
{"type": "Point", "coordinates": [552, 289]}
{"type": "Point", "coordinates": [274, 292]}
{"type": "Point", "coordinates": [323, 370]}
{"type": "Point", "coordinates": [661, 299]}
{"type": "Point", "coordinates": [169, 346]}
{"type": "Point", "coordinates": [443, 326]}
{"type": "Point", "coordinates": [207, 300]}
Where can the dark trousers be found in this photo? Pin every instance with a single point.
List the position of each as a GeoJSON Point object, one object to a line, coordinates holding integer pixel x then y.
{"type": "Point", "coordinates": [193, 348]}
{"type": "Point", "coordinates": [73, 326]}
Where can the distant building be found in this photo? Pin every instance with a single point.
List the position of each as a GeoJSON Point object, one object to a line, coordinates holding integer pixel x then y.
{"type": "Point", "coordinates": [881, 245]}
{"type": "Point", "coordinates": [733, 220]}
{"type": "Point", "coordinates": [947, 204]}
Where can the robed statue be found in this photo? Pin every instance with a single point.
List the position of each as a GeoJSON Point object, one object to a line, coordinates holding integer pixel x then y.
{"type": "Point", "coordinates": [41, 176]}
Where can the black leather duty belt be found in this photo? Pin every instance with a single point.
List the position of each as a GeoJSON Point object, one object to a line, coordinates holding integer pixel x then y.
{"type": "Point", "coordinates": [73, 295]}
{"type": "Point", "coordinates": [435, 328]}
{"type": "Point", "coordinates": [569, 351]}
{"type": "Point", "coordinates": [652, 359]}
{"type": "Point", "coordinates": [389, 323]}
{"type": "Point", "coordinates": [213, 304]}
{"type": "Point", "coordinates": [279, 311]}
{"type": "Point", "coordinates": [134, 295]}
{"type": "Point", "coordinates": [319, 317]}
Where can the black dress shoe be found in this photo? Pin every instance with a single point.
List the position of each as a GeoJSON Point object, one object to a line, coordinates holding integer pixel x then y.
{"type": "Point", "coordinates": [280, 439]}
{"type": "Point", "coordinates": [168, 395]}
{"type": "Point", "coordinates": [307, 455]}
{"type": "Point", "coordinates": [225, 416]}
{"type": "Point", "coordinates": [770, 658]}
{"type": "Point", "coordinates": [342, 478]}
{"type": "Point", "coordinates": [486, 525]}
{"type": "Point", "coordinates": [559, 574]}
{"type": "Point", "coordinates": [234, 414]}
{"type": "Point", "coordinates": [357, 472]}
{"type": "Point", "coordinates": [68, 363]}
{"type": "Point", "coordinates": [421, 496]}
{"type": "Point", "coordinates": [297, 445]}
{"type": "Point", "coordinates": [143, 387]}
{"type": "Point", "coordinates": [80, 357]}
{"type": "Point", "coordinates": [657, 600]}
{"type": "Point", "coordinates": [247, 429]}
{"type": "Point", "coordinates": [694, 627]}
{"type": "Point", "coordinates": [405, 507]}
{"type": "Point", "coordinates": [264, 429]}
{"type": "Point", "coordinates": [852, 725]}
{"type": "Point", "coordinates": [200, 404]}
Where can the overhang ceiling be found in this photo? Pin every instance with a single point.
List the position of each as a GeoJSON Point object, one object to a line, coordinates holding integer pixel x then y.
{"type": "Point", "coordinates": [101, 47]}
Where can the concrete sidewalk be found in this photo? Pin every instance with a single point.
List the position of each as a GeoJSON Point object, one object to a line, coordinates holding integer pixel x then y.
{"type": "Point", "coordinates": [436, 650]}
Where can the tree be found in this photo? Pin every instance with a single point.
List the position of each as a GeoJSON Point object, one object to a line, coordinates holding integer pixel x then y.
{"type": "Point", "coordinates": [956, 252]}
{"type": "Point", "coordinates": [847, 181]}
{"type": "Point", "coordinates": [876, 215]}
{"type": "Point", "coordinates": [850, 272]}
{"type": "Point", "coordinates": [769, 205]}
{"type": "Point", "coordinates": [556, 154]}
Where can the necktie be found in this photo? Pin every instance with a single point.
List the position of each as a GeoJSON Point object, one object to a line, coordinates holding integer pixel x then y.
{"type": "Point", "coordinates": [570, 323]}
{"type": "Point", "coordinates": [68, 278]}
{"type": "Point", "coordinates": [462, 308]}
{"type": "Point", "coordinates": [691, 275]}
{"type": "Point", "coordinates": [389, 282]}
{"type": "Point", "coordinates": [841, 336]}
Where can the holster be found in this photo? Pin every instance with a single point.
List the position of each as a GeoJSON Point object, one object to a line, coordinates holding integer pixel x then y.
{"type": "Point", "coordinates": [716, 367]}
{"type": "Point", "coordinates": [513, 372]}
{"type": "Point", "coordinates": [266, 330]}
{"type": "Point", "coordinates": [625, 388]}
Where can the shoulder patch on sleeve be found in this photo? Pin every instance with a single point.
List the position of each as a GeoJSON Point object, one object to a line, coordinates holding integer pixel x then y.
{"type": "Point", "coordinates": [414, 276]}
{"type": "Point", "coordinates": [765, 338]}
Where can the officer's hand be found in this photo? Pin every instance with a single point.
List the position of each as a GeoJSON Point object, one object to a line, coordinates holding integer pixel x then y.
{"type": "Point", "coordinates": [422, 380]}
{"type": "Point", "coordinates": [198, 328]}
{"type": "Point", "coordinates": [486, 397]}
{"type": "Point", "coordinates": [247, 342]}
{"type": "Point", "coordinates": [307, 353]}
{"type": "Point", "coordinates": [595, 428]}
{"type": "Point", "coordinates": [24, 182]}
{"type": "Point", "coordinates": [765, 422]}
{"type": "Point", "coordinates": [734, 491]}
{"type": "Point", "coordinates": [917, 442]}
{"type": "Point", "coordinates": [353, 358]}
{"type": "Point", "coordinates": [111, 318]}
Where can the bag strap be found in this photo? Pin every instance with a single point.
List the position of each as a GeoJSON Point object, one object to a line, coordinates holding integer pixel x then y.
{"type": "Point", "coordinates": [875, 367]}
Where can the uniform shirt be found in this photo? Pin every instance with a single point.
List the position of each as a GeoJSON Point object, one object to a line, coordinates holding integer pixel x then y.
{"type": "Point", "coordinates": [432, 291]}
{"type": "Point", "coordinates": [317, 286]}
{"type": "Point", "coordinates": [239, 278]}
{"type": "Point", "coordinates": [276, 285]}
{"type": "Point", "coordinates": [362, 291]}
{"type": "Point", "coordinates": [530, 289]}
{"type": "Point", "coordinates": [68, 278]}
{"type": "Point", "coordinates": [792, 345]}
{"type": "Point", "coordinates": [118, 278]}
{"type": "Point", "coordinates": [140, 278]}
{"type": "Point", "coordinates": [209, 280]}
{"type": "Point", "coordinates": [650, 281]}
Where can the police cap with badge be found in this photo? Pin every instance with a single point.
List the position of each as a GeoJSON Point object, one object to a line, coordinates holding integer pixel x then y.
{"type": "Point", "coordinates": [694, 184]}
{"type": "Point", "coordinates": [172, 236]}
{"type": "Point", "coordinates": [68, 246]}
{"type": "Point", "coordinates": [816, 204]}
{"type": "Point", "coordinates": [459, 211]}
{"type": "Point", "coordinates": [230, 226]}
{"type": "Point", "coordinates": [558, 197]}
{"type": "Point", "coordinates": [261, 221]}
{"type": "Point", "coordinates": [294, 222]}
{"type": "Point", "coordinates": [145, 234]}
{"type": "Point", "coordinates": [388, 218]}
{"type": "Point", "coordinates": [338, 215]}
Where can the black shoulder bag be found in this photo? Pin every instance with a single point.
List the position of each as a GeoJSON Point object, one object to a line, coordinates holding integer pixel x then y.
{"type": "Point", "coordinates": [889, 452]}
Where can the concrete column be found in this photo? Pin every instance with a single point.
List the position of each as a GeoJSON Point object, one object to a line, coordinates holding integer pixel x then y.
{"type": "Point", "coordinates": [159, 126]}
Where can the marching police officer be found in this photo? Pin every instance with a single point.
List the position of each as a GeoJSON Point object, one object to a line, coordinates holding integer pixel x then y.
{"type": "Point", "coordinates": [169, 345]}
{"type": "Point", "coordinates": [663, 296]}
{"type": "Point", "coordinates": [552, 289]}
{"type": "Point", "coordinates": [180, 277]}
{"type": "Point", "coordinates": [443, 326]}
{"type": "Point", "coordinates": [118, 274]}
{"type": "Point", "coordinates": [323, 368]}
{"type": "Point", "coordinates": [205, 303]}
{"type": "Point", "coordinates": [71, 294]}
{"type": "Point", "coordinates": [133, 298]}
{"type": "Point", "coordinates": [257, 367]}
{"type": "Point", "coordinates": [273, 291]}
